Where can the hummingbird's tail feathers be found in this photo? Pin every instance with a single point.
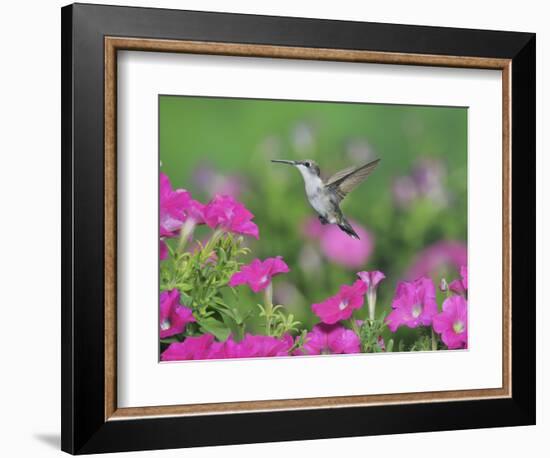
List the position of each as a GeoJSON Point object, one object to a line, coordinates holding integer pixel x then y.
{"type": "Point", "coordinates": [346, 227]}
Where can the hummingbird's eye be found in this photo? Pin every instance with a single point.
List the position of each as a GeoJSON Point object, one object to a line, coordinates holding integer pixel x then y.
{"type": "Point", "coordinates": [307, 164]}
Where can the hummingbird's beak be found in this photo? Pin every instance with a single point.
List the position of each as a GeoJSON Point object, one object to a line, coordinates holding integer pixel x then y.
{"type": "Point", "coordinates": [282, 161]}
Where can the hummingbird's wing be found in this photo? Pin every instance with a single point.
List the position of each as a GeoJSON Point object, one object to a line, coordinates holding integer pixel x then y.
{"type": "Point", "coordinates": [345, 181]}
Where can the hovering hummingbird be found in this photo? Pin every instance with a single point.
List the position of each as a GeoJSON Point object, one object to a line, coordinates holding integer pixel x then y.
{"type": "Point", "coordinates": [325, 197]}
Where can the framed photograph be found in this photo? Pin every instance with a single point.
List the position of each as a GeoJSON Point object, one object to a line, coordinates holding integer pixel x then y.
{"type": "Point", "coordinates": [281, 228]}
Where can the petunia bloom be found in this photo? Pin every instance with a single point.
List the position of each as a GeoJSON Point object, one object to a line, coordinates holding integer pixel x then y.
{"type": "Point", "coordinates": [413, 305]}
{"type": "Point", "coordinates": [206, 347]}
{"type": "Point", "coordinates": [258, 346]}
{"type": "Point", "coordinates": [163, 250]}
{"type": "Point", "coordinates": [371, 280]}
{"type": "Point", "coordinates": [460, 286]}
{"type": "Point", "coordinates": [226, 213]}
{"type": "Point", "coordinates": [172, 206]}
{"type": "Point", "coordinates": [342, 305]}
{"type": "Point", "coordinates": [191, 348]}
{"type": "Point", "coordinates": [173, 316]}
{"type": "Point", "coordinates": [258, 274]}
{"type": "Point", "coordinates": [330, 339]}
{"type": "Point", "coordinates": [452, 322]}
{"type": "Point", "coordinates": [339, 247]}
{"type": "Point", "coordinates": [176, 208]}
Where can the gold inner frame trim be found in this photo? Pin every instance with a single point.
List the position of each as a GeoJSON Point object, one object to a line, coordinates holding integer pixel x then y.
{"type": "Point", "coordinates": [114, 44]}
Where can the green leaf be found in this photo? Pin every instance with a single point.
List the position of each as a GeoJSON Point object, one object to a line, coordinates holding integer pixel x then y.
{"type": "Point", "coordinates": [215, 327]}
{"type": "Point", "coordinates": [233, 326]}
{"type": "Point", "coordinates": [169, 340]}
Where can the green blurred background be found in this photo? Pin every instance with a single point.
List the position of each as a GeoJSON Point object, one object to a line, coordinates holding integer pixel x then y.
{"type": "Point", "coordinates": [413, 206]}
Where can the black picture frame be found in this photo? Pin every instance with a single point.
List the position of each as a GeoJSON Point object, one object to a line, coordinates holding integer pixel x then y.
{"type": "Point", "coordinates": [84, 427]}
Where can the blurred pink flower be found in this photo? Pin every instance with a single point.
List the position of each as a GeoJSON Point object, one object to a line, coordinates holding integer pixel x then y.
{"type": "Point", "coordinates": [460, 286]}
{"type": "Point", "coordinates": [258, 274]}
{"type": "Point", "coordinates": [426, 180]}
{"type": "Point", "coordinates": [163, 250]}
{"type": "Point", "coordinates": [340, 247]}
{"type": "Point", "coordinates": [210, 181]}
{"type": "Point", "coordinates": [312, 228]}
{"type": "Point", "coordinates": [452, 322]}
{"type": "Point", "coordinates": [172, 205]}
{"type": "Point", "coordinates": [330, 339]}
{"type": "Point", "coordinates": [173, 316]}
{"type": "Point", "coordinates": [342, 305]}
{"type": "Point", "coordinates": [413, 305]}
{"type": "Point", "coordinates": [439, 256]}
{"type": "Point", "coordinates": [428, 175]}
{"type": "Point", "coordinates": [227, 213]}
{"type": "Point", "coordinates": [191, 348]}
{"type": "Point", "coordinates": [404, 191]}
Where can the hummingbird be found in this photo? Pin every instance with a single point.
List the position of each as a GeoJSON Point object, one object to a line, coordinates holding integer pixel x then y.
{"type": "Point", "coordinates": [325, 197]}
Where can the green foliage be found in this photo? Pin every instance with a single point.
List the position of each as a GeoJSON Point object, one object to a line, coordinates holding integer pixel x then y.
{"type": "Point", "coordinates": [370, 334]}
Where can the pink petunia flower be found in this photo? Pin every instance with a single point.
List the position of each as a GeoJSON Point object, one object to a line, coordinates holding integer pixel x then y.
{"type": "Point", "coordinates": [452, 322]}
{"type": "Point", "coordinates": [330, 339]}
{"type": "Point", "coordinates": [438, 257]}
{"type": "Point", "coordinates": [176, 208]}
{"type": "Point", "coordinates": [339, 247]}
{"type": "Point", "coordinates": [371, 280]}
{"type": "Point", "coordinates": [258, 346]}
{"type": "Point", "coordinates": [172, 206]}
{"type": "Point", "coordinates": [227, 213]}
{"type": "Point", "coordinates": [460, 286]}
{"type": "Point", "coordinates": [163, 250]}
{"type": "Point", "coordinates": [205, 347]}
{"type": "Point", "coordinates": [258, 274]}
{"type": "Point", "coordinates": [413, 305]}
{"type": "Point", "coordinates": [191, 348]}
{"type": "Point", "coordinates": [173, 316]}
{"type": "Point", "coordinates": [342, 305]}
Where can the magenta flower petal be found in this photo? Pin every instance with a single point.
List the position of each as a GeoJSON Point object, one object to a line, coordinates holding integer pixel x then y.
{"type": "Point", "coordinates": [258, 274]}
{"type": "Point", "coordinates": [172, 207]}
{"type": "Point", "coordinates": [460, 286]}
{"type": "Point", "coordinates": [227, 213]}
{"type": "Point", "coordinates": [343, 340]}
{"type": "Point", "coordinates": [464, 275]}
{"type": "Point", "coordinates": [342, 305]}
{"type": "Point", "coordinates": [330, 339]}
{"type": "Point", "coordinates": [258, 346]}
{"type": "Point", "coordinates": [452, 322]}
{"type": "Point", "coordinates": [190, 348]}
{"type": "Point", "coordinates": [371, 279]}
{"type": "Point", "coordinates": [163, 250]}
{"type": "Point", "coordinates": [173, 316]}
{"type": "Point", "coordinates": [413, 305]}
